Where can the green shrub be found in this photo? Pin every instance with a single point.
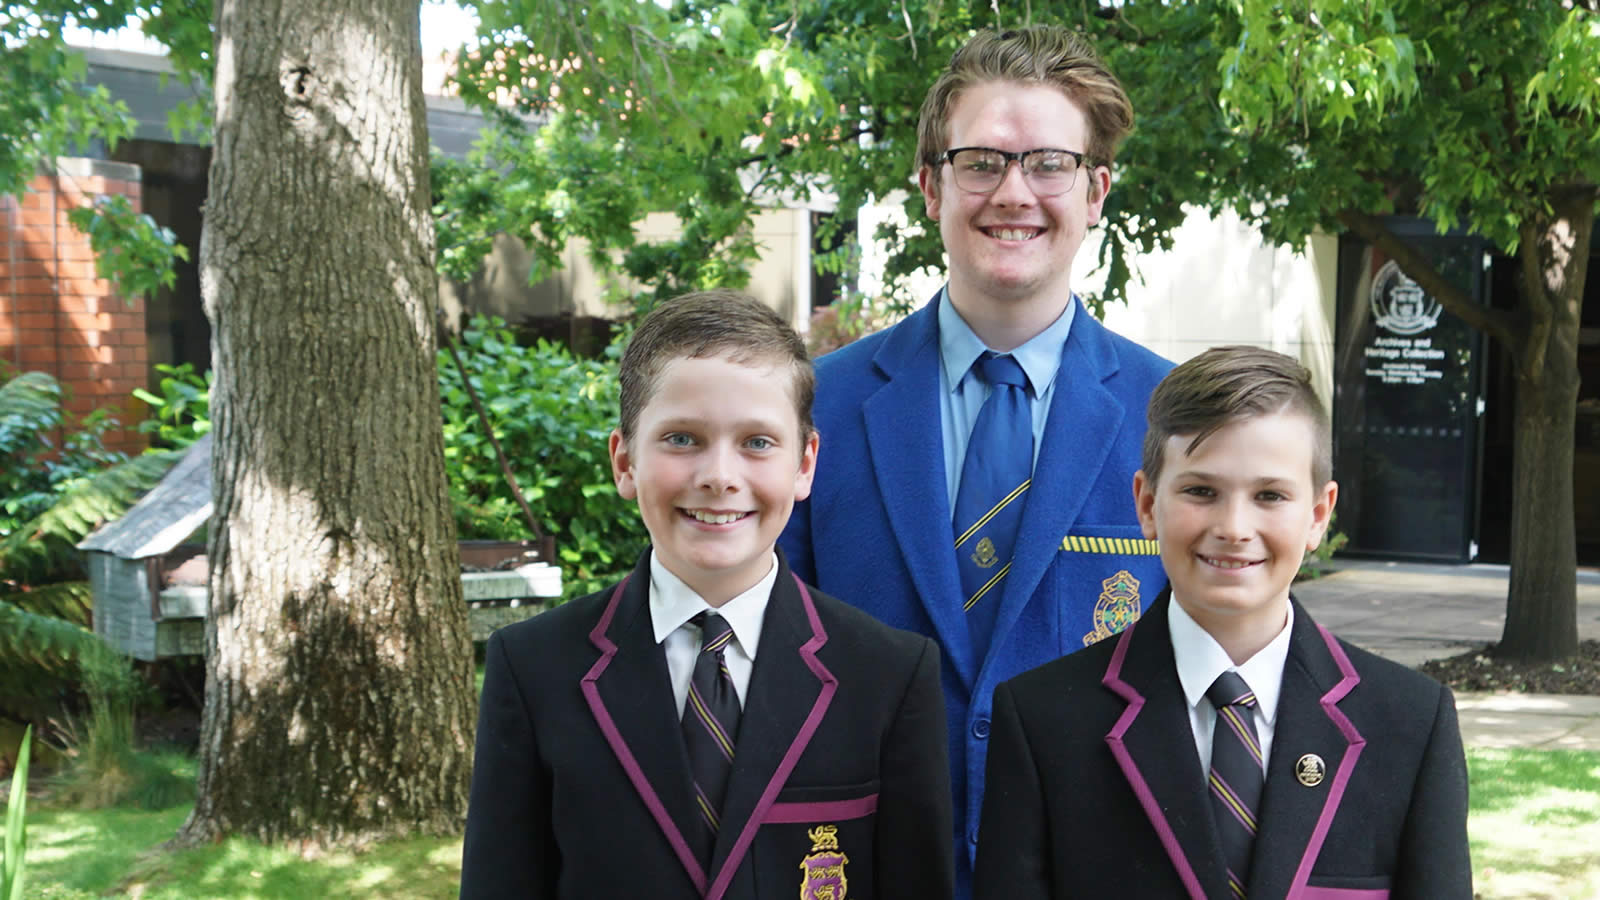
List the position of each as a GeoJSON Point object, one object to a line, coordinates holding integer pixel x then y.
{"type": "Point", "coordinates": [183, 411]}
{"type": "Point", "coordinates": [552, 413]}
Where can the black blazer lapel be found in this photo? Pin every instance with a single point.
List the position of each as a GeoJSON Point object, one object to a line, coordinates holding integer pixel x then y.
{"type": "Point", "coordinates": [1296, 816]}
{"type": "Point", "coordinates": [630, 694]}
{"type": "Point", "coordinates": [790, 691]}
{"type": "Point", "coordinates": [1152, 745]}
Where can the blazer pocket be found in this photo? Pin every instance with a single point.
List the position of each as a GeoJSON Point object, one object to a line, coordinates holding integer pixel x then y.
{"type": "Point", "coordinates": [833, 803]}
{"type": "Point", "coordinates": [1109, 540]}
{"type": "Point", "coordinates": [1346, 887]}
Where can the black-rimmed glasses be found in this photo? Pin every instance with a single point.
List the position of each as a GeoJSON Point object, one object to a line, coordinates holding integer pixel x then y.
{"type": "Point", "coordinates": [1047, 171]}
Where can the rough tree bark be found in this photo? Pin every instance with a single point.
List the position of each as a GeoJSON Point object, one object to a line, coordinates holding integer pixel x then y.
{"type": "Point", "coordinates": [339, 706]}
{"type": "Point", "coordinates": [1542, 603]}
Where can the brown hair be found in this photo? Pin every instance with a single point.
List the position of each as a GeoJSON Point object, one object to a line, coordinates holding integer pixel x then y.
{"type": "Point", "coordinates": [712, 323]}
{"type": "Point", "coordinates": [1225, 385]}
{"type": "Point", "coordinates": [1039, 54]}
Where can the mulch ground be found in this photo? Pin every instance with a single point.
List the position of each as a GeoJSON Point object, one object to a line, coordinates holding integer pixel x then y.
{"type": "Point", "coordinates": [1478, 670]}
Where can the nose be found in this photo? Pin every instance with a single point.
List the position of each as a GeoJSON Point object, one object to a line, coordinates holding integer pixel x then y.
{"type": "Point", "coordinates": [1013, 189]}
{"type": "Point", "coordinates": [717, 469]}
{"type": "Point", "coordinates": [1232, 523]}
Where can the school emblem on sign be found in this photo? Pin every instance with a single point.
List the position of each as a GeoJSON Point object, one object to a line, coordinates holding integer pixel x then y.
{"type": "Point", "coordinates": [1117, 608]}
{"type": "Point", "coordinates": [985, 557]}
{"type": "Point", "coordinates": [822, 873]}
{"type": "Point", "coordinates": [1399, 304]}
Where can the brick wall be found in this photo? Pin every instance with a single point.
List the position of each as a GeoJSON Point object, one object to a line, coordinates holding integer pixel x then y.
{"type": "Point", "coordinates": [56, 316]}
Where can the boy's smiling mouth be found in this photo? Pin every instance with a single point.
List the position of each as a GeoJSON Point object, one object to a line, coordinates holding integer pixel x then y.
{"type": "Point", "coordinates": [1013, 232]}
{"type": "Point", "coordinates": [711, 517]}
{"type": "Point", "coordinates": [1220, 563]}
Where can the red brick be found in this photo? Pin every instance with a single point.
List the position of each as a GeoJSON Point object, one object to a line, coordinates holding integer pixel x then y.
{"type": "Point", "coordinates": [35, 303]}
{"type": "Point", "coordinates": [22, 287]}
{"type": "Point", "coordinates": [24, 268]}
{"type": "Point", "coordinates": [37, 321]}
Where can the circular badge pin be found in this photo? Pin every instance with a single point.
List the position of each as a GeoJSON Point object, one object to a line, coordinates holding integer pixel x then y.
{"type": "Point", "coordinates": [1309, 769]}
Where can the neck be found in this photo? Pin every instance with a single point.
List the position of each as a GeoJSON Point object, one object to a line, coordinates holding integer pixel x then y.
{"type": "Point", "coordinates": [1242, 637]}
{"type": "Point", "coordinates": [1006, 324]}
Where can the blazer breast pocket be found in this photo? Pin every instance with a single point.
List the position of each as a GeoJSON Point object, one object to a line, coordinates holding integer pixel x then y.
{"type": "Point", "coordinates": [815, 837]}
{"type": "Point", "coordinates": [1111, 573]}
{"type": "Point", "coordinates": [1346, 887]}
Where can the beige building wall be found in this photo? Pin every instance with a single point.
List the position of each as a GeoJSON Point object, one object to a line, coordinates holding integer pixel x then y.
{"type": "Point", "coordinates": [781, 277]}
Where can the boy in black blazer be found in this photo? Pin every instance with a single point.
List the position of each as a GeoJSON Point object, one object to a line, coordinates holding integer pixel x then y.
{"type": "Point", "coordinates": [1135, 768]}
{"type": "Point", "coordinates": [710, 727]}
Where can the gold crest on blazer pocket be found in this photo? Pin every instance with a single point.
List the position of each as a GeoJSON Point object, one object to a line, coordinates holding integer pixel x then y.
{"type": "Point", "coordinates": [1122, 561]}
{"type": "Point", "coordinates": [823, 836]}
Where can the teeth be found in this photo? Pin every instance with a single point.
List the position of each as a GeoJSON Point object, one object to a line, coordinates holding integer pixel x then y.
{"type": "Point", "coordinates": [1014, 234]}
{"type": "Point", "coordinates": [1227, 564]}
{"type": "Point", "coordinates": [714, 518]}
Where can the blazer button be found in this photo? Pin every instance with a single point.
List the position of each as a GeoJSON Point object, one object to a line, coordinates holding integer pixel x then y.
{"type": "Point", "coordinates": [980, 729]}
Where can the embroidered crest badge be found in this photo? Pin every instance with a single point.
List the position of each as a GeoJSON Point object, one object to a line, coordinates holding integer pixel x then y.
{"type": "Point", "coordinates": [822, 872]}
{"type": "Point", "coordinates": [1117, 608]}
{"type": "Point", "coordinates": [985, 557]}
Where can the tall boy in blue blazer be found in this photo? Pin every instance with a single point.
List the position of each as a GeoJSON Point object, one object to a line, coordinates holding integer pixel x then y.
{"type": "Point", "coordinates": [1015, 146]}
{"type": "Point", "coordinates": [710, 727]}
{"type": "Point", "coordinates": [1225, 745]}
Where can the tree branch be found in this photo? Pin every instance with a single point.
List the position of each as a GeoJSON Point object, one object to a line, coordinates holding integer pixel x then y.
{"type": "Point", "coordinates": [1498, 324]}
{"type": "Point", "coordinates": [1509, 117]}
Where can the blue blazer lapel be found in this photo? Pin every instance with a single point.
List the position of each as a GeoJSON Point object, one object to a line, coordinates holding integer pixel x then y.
{"type": "Point", "coordinates": [1151, 745]}
{"type": "Point", "coordinates": [1083, 416]}
{"type": "Point", "coordinates": [1296, 817]}
{"type": "Point", "coordinates": [908, 462]}
{"type": "Point", "coordinates": [630, 695]}
{"type": "Point", "coordinates": [790, 692]}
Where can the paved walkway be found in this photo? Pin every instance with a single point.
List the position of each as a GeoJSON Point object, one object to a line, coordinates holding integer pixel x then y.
{"type": "Point", "coordinates": [1412, 612]}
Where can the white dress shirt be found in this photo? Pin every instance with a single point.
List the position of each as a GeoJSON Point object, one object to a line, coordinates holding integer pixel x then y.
{"type": "Point", "coordinates": [1201, 659]}
{"type": "Point", "coordinates": [673, 604]}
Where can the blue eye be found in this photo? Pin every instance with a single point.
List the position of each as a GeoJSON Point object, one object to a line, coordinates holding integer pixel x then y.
{"type": "Point", "coordinates": [759, 443]}
{"type": "Point", "coordinates": [678, 439]}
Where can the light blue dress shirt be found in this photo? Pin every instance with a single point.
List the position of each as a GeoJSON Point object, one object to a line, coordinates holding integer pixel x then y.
{"type": "Point", "coordinates": [962, 392]}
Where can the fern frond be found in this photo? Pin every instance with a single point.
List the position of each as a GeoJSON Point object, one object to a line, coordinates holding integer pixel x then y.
{"type": "Point", "coordinates": [69, 600]}
{"type": "Point", "coordinates": [44, 643]}
{"type": "Point", "coordinates": [29, 403]}
{"type": "Point", "coordinates": [50, 537]}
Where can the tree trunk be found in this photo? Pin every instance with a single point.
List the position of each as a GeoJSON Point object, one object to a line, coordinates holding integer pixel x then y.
{"type": "Point", "coordinates": [339, 705]}
{"type": "Point", "coordinates": [1541, 605]}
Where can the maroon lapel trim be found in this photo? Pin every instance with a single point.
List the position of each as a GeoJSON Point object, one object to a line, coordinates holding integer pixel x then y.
{"type": "Point", "coordinates": [830, 685]}
{"type": "Point", "coordinates": [608, 727]}
{"type": "Point", "coordinates": [1347, 764]}
{"type": "Point", "coordinates": [1130, 769]}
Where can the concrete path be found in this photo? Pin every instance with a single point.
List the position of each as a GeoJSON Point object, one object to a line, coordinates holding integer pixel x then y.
{"type": "Point", "coordinates": [1412, 612]}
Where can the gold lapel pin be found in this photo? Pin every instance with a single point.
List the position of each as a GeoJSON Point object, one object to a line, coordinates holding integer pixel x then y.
{"type": "Point", "coordinates": [1309, 769]}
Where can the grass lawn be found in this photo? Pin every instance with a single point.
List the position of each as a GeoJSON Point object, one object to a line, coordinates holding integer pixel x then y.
{"type": "Point", "coordinates": [1535, 832]}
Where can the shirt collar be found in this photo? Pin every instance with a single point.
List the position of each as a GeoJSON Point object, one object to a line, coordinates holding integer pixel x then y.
{"type": "Point", "coordinates": [673, 603]}
{"type": "Point", "coordinates": [1040, 357]}
{"type": "Point", "coordinates": [1200, 659]}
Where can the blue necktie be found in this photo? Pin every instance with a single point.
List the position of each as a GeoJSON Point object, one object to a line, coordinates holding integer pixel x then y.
{"type": "Point", "coordinates": [994, 483]}
{"type": "Point", "coordinates": [710, 727]}
{"type": "Point", "coordinates": [1236, 775]}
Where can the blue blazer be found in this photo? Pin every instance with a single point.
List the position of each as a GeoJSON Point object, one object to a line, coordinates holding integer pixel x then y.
{"type": "Point", "coordinates": [877, 529]}
{"type": "Point", "coordinates": [1095, 789]}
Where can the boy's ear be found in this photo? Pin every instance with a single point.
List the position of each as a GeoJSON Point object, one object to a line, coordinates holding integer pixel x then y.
{"type": "Point", "coordinates": [808, 466]}
{"type": "Point", "coordinates": [1144, 502]}
{"type": "Point", "coordinates": [1322, 514]}
{"type": "Point", "coordinates": [622, 466]}
{"type": "Point", "coordinates": [928, 180]}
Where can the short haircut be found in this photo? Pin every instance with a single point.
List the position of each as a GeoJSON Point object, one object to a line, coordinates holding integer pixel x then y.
{"type": "Point", "coordinates": [1039, 54]}
{"type": "Point", "coordinates": [1224, 385]}
{"type": "Point", "coordinates": [713, 323]}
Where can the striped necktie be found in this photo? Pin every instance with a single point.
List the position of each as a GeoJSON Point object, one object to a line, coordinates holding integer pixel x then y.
{"type": "Point", "coordinates": [994, 481]}
{"type": "Point", "coordinates": [710, 727]}
{"type": "Point", "coordinates": [1236, 774]}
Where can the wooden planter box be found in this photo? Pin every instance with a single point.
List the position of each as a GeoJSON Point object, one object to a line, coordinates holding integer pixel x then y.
{"type": "Point", "coordinates": [141, 613]}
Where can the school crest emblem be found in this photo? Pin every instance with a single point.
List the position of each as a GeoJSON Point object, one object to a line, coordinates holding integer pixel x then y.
{"type": "Point", "coordinates": [985, 557]}
{"type": "Point", "coordinates": [822, 872]}
{"type": "Point", "coordinates": [1117, 608]}
{"type": "Point", "coordinates": [1401, 305]}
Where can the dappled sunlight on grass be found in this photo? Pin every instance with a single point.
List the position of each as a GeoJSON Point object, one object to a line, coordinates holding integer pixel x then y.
{"type": "Point", "coordinates": [1535, 823]}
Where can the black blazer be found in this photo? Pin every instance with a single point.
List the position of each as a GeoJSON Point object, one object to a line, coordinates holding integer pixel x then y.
{"type": "Point", "coordinates": [1095, 788]}
{"type": "Point", "coordinates": [582, 788]}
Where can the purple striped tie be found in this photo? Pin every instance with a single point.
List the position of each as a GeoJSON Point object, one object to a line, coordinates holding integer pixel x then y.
{"type": "Point", "coordinates": [1236, 773]}
{"type": "Point", "coordinates": [710, 728]}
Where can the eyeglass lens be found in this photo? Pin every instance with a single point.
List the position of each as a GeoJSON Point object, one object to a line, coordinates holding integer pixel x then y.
{"type": "Point", "coordinates": [1048, 172]}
